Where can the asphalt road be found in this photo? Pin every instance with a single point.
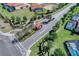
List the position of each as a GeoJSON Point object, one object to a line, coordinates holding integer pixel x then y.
{"type": "Point", "coordinates": [28, 43]}
{"type": "Point", "coordinates": [7, 48]}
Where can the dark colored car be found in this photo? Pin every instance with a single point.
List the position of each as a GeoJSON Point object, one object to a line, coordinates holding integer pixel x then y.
{"type": "Point", "coordinates": [52, 18]}
{"type": "Point", "coordinates": [11, 9]}
{"type": "Point", "coordinates": [14, 41]}
{"type": "Point", "coordinates": [45, 22]}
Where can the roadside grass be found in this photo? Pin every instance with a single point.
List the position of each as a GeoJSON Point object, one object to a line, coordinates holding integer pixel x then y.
{"type": "Point", "coordinates": [64, 35]}
{"type": "Point", "coordinates": [25, 38]}
{"type": "Point", "coordinates": [35, 49]}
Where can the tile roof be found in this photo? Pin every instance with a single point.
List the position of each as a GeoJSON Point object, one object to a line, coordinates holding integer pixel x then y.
{"type": "Point", "coordinates": [15, 4]}
{"type": "Point", "coordinates": [34, 5]}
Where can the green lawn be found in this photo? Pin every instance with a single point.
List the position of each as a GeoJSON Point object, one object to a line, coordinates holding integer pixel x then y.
{"type": "Point", "coordinates": [23, 12]}
{"type": "Point", "coordinates": [64, 35]}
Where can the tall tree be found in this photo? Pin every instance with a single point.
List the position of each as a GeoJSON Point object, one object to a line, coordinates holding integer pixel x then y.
{"type": "Point", "coordinates": [52, 36]}
{"type": "Point", "coordinates": [13, 19]}
{"type": "Point", "coordinates": [24, 18]}
{"type": "Point", "coordinates": [30, 8]}
{"type": "Point", "coordinates": [63, 20]}
{"type": "Point", "coordinates": [17, 21]}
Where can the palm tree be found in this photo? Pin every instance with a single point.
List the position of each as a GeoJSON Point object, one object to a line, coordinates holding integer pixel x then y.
{"type": "Point", "coordinates": [52, 36]}
{"type": "Point", "coordinates": [24, 18]}
{"type": "Point", "coordinates": [18, 20]}
{"type": "Point", "coordinates": [12, 18]}
{"type": "Point", "coordinates": [30, 8]}
{"type": "Point", "coordinates": [63, 20]}
{"type": "Point", "coordinates": [48, 11]}
{"type": "Point", "coordinates": [56, 27]}
{"type": "Point", "coordinates": [41, 45]}
{"type": "Point", "coordinates": [43, 48]}
{"type": "Point", "coordinates": [46, 38]}
{"type": "Point", "coordinates": [57, 24]}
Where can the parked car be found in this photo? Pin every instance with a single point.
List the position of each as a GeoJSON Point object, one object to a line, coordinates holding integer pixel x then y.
{"type": "Point", "coordinates": [45, 21]}
{"type": "Point", "coordinates": [14, 41]}
{"type": "Point", "coordinates": [52, 18]}
{"type": "Point", "coordinates": [11, 9]}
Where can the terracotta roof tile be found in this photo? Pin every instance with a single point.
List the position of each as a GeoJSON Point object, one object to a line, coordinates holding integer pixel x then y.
{"type": "Point", "coordinates": [33, 6]}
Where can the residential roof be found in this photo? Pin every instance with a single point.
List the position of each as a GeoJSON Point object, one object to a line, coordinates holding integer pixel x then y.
{"type": "Point", "coordinates": [12, 4]}
{"type": "Point", "coordinates": [36, 5]}
{"type": "Point", "coordinates": [71, 25]}
{"type": "Point", "coordinates": [75, 17]}
{"type": "Point", "coordinates": [78, 23]}
{"type": "Point", "coordinates": [77, 30]}
{"type": "Point", "coordinates": [15, 4]}
{"type": "Point", "coordinates": [73, 47]}
{"type": "Point", "coordinates": [77, 27]}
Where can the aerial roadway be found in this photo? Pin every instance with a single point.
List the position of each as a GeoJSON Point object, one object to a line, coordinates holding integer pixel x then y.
{"type": "Point", "coordinates": [28, 43]}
